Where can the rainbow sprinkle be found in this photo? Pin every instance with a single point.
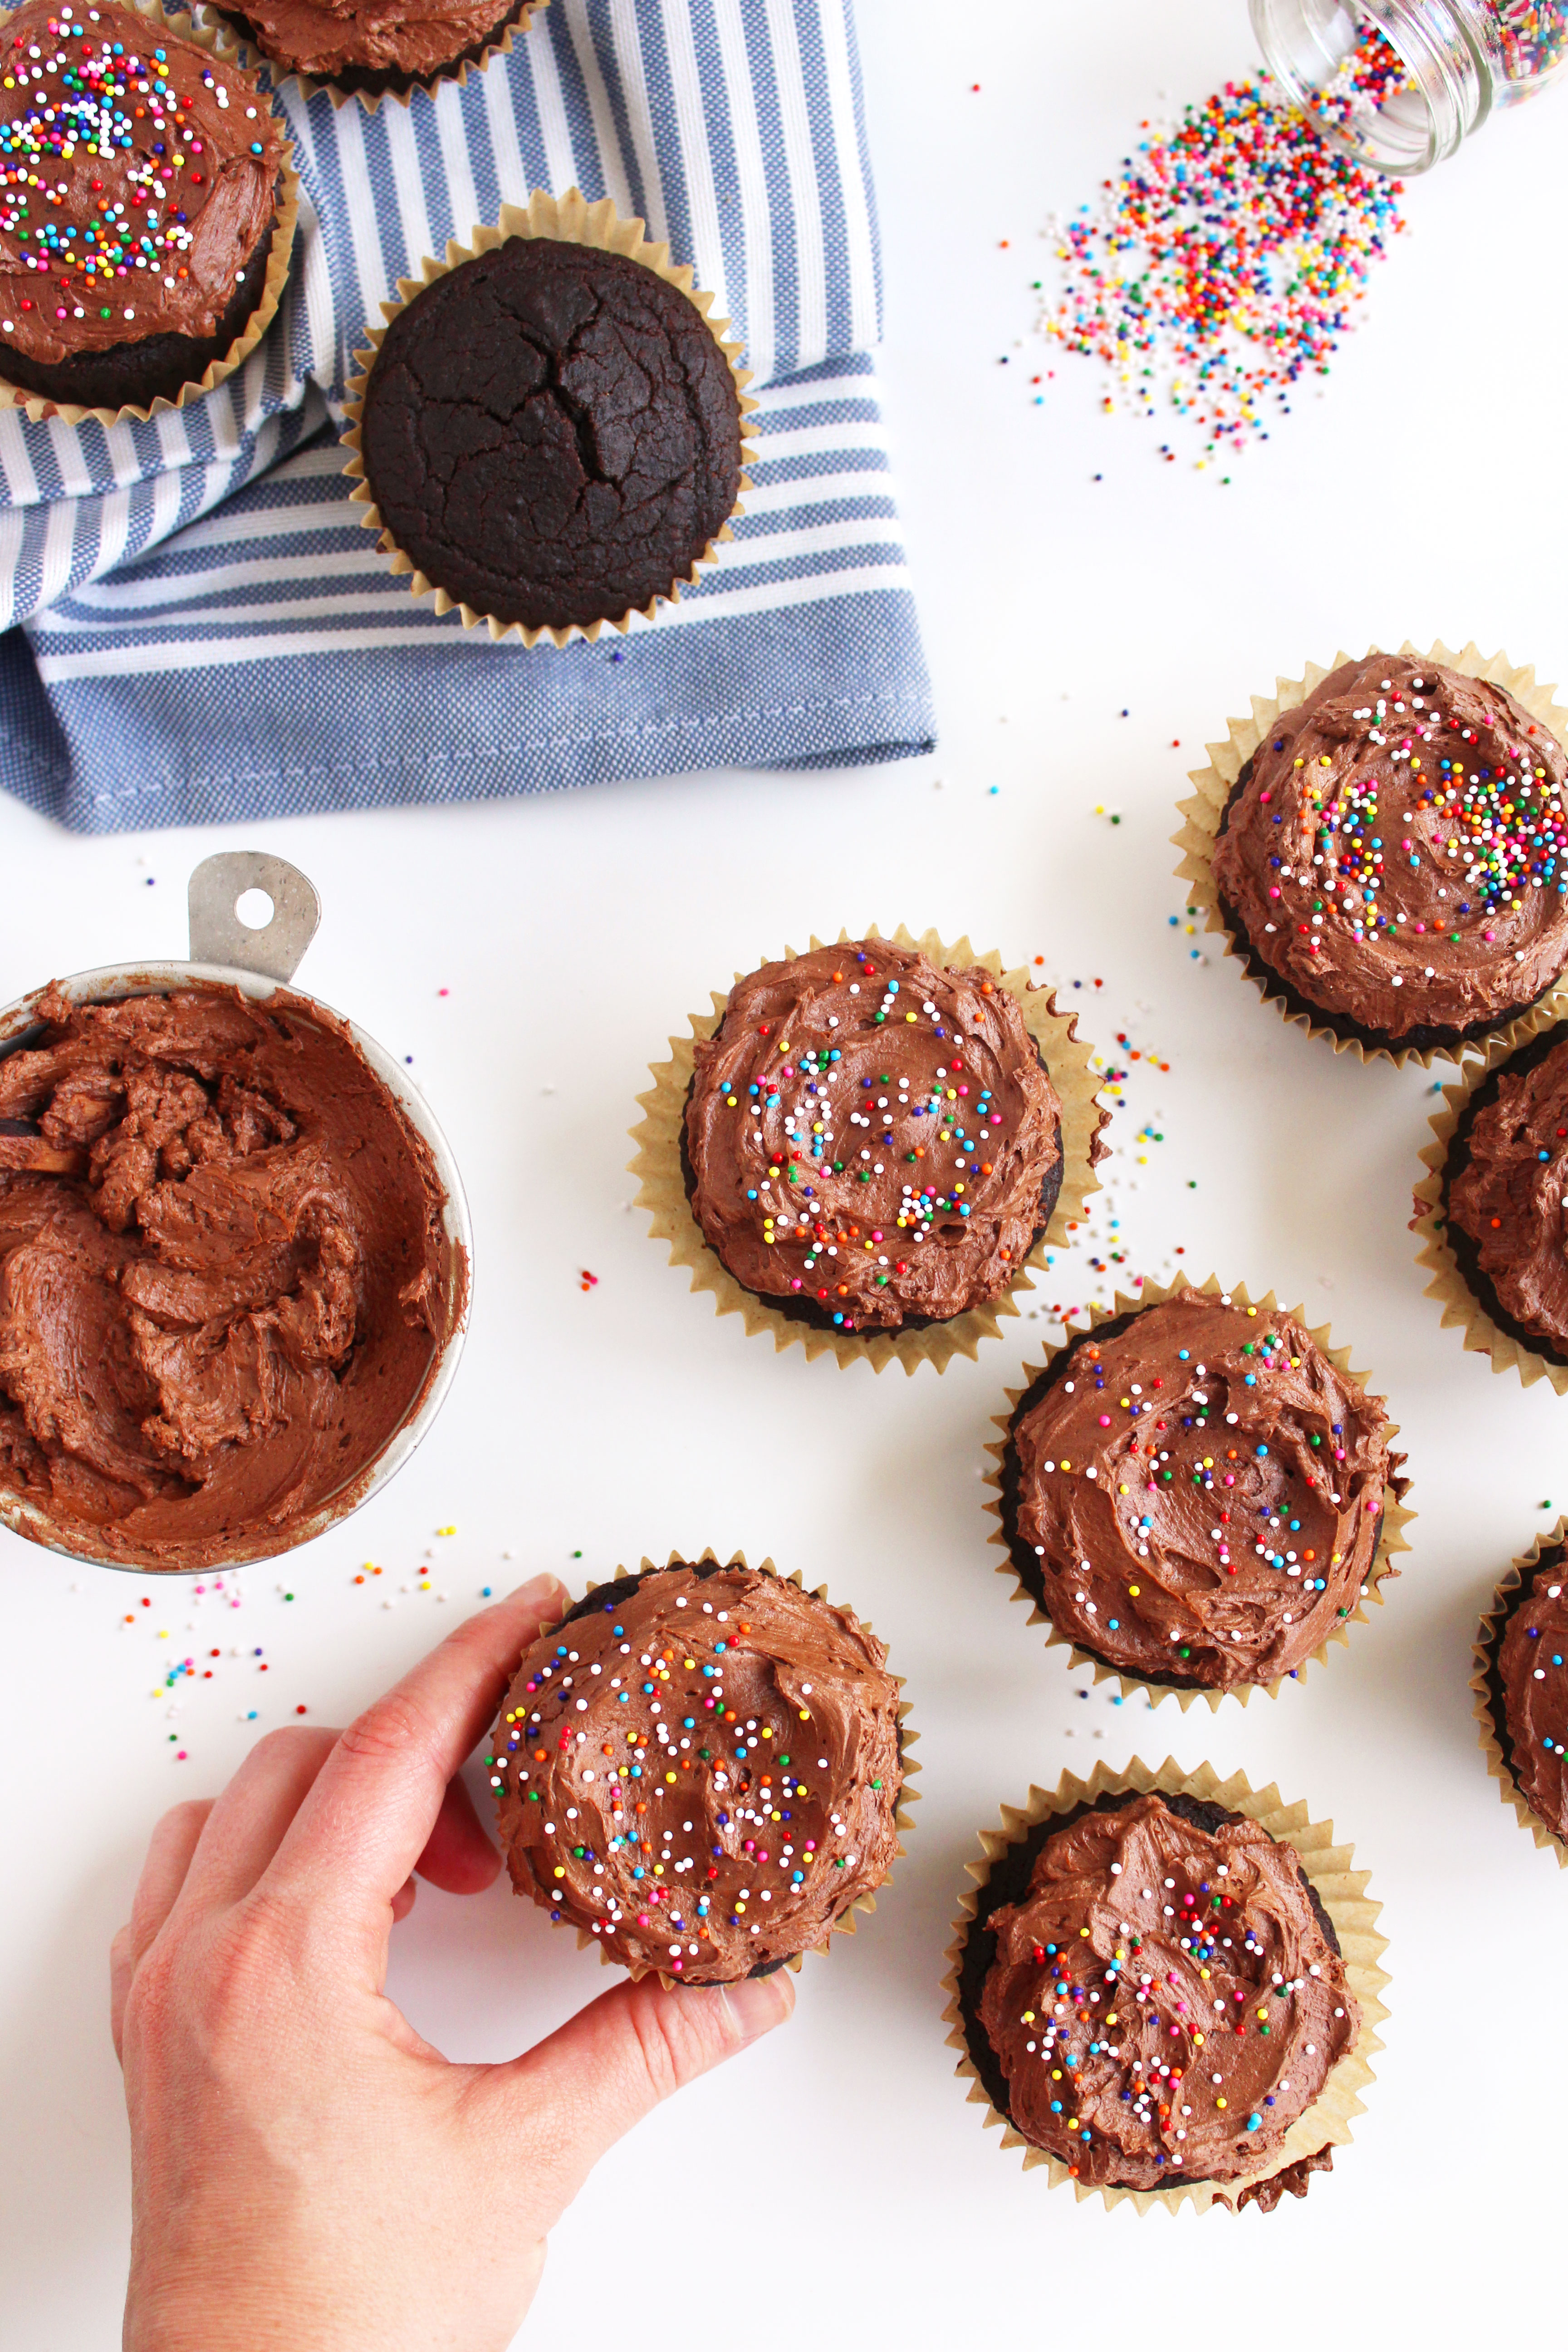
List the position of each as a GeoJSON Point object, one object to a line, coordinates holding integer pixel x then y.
{"type": "Point", "coordinates": [1222, 264]}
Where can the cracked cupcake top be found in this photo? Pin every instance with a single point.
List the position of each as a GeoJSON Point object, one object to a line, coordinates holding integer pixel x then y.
{"type": "Point", "coordinates": [551, 434]}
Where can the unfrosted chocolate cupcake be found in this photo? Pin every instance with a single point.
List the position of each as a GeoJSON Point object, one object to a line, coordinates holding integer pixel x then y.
{"type": "Point", "coordinates": [1526, 1645]}
{"type": "Point", "coordinates": [700, 1767]}
{"type": "Point", "coordinates": [368, 46]}
{"type": "Point", "coordinates": [871, 1144]}
{"type": "Point", "coordinates": [551, 434]}
{"type": "Point", "coordinates": [140, 178]}
{"type": "Point", "coordinates": [1392, 860]}
{"type": "Point", "coordinates": [1194, 1494]}
{"type": "Point", "coordinates": [1503, 1194]}
{"type": "Point", "coordinates": [1153, 1992]}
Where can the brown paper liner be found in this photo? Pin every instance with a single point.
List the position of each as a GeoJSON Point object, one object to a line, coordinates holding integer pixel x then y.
{"type": "Point", "coordinates": [1397, 1516]}
{"type": "Point", "coordinates": [1213, 786]}
{"type": "Point", "coordinates": [662, 1189]}
{"type": "Point", "coordinates": [1343, 1893]}
{"type": "Point", "coordinates": [1461, 1307]}
{"type": "Point", "coordinates": [1486, 1645]}
{"type": "Point", "coordinates": [844, 1926]}
{"type": "Point", "coordinates": [307, 85]}
{"type": "Point", "coordinates": [572, 220]}
{"type": "Point", "coordinates": [37, 406]}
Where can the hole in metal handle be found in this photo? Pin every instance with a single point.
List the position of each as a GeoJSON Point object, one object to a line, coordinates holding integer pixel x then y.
{"type": "Point", "coordinates": [220, 934]}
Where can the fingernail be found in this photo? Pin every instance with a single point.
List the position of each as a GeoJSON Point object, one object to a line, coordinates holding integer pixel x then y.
{"type": "Point", "coordinates": [759, 2003]}
{"type": "Point", "coordinates": [545, 1593]}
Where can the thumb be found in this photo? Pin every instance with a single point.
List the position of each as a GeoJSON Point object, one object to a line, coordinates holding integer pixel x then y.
{"type": "Point", "coordinates": [577, 2092]}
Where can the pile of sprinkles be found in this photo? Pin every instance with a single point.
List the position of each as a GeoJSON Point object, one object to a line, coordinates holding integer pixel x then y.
{"type": "Point", "coordinates": [87, 101]}
{"type": "Point", "coordinates": [1532, 35]}
{"type": "Point", "coordinates": [1222, 264]}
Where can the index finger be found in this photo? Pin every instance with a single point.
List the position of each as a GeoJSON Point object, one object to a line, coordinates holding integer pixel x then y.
{"type": "Point", "coordinates": [374, 1801]}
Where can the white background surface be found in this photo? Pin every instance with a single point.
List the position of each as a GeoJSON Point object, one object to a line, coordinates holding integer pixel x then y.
{"type": "Point", "coordinates": [834, 2187]}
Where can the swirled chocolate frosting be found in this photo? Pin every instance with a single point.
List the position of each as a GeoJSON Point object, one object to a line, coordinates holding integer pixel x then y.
{"type": "Point", "coordinates": [1507, 1170]}
{"type": "Point", "coordinates": [1396, 853]}
{"type": "Point", "coordinates": [137, 180]}
{"type": "Point", "coordinates": [870, 1141]}
{"type": "Point", "coordinates": [223, 1271]}
{"type": "Point", "coordinates": [1166, 1998]}
{"type": "Point", "coordinates": [1531, 1681]}
{"type": "Point", "coordinates": [1194, 1493]}
{"type": "Point", "coordinates": [701, 1768]}
{"type": "Point", "coordinates": [340, 40]}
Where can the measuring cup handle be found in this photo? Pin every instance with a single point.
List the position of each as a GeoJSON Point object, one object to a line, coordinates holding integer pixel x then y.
{"type": "Point", "coordinates": [217, 935]}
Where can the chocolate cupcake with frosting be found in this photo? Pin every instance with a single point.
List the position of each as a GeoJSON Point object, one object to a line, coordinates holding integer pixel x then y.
{"type": "Point", "coordinates": [146, 209]}
{"type": "Point", "coordinates": [866, 1147]}
{"type": "Point", "coordinates": [367, 49]}
{"type": "Point", "coordinates": [1197, 1493]}
{"type": "Point", "coordinates": [1491, 1209]}
{"type": "Point", "coordinates": [1389, 853]}
{"type": "Point", "coordinates": [1152, 1988]}
{"type": "Point", "coordinates": [1521, 1689]}
{"type": "Point", "coordinates": [701, 1769]}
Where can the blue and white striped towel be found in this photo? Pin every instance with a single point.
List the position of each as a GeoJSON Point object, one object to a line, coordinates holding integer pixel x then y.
{"type": "Point", "coordinates": [199, 628]}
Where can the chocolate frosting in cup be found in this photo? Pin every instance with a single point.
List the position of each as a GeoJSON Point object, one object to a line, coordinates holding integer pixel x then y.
{"type": "Point", "coordinates": [223, 1272]}
{"type": "Point", "coordinates": [871, 1143]}
{"type": "Point", "coordinates": [1528, 1686]}
{"type": "Point", "coordinates": [135, 190]}
{"type": "Point", "coordinates": [1163, 1997]}
{"type": "Point", "coordinates": [1395, 854]}
{"type": "Point", "coordinates": [1195, 1493]}
{"type": "Point", "coordinates": [701, 1769]}
{"type": "Point", "coordinates": [1504, 1186]}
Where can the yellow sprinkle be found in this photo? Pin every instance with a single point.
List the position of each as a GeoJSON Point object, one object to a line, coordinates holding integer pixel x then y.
{"type": "Point", "coordinates": [447, 1531]}
{"type": "Point", "coordinates": [1220, 2103]}
{"type": "Point", "coordinates": [1132, 1592]}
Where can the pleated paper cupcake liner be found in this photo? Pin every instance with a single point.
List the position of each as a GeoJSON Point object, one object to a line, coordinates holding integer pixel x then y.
{"type": "Point", "coordinates": [1391, 1538]}
{"type": "Point", "coordinates": [569, 220]}
{"type": "Point", "coordinates": [1204, 813]}
{"type": "Point", "coordinates": [1341, 1890]}
{"type": "Point", "coordinates": [1488, 1699]}
{"type": "Point", "coordinates": [903, 1818]}
{"type": "Point", "coordinates": [662, 1188]}
{"type": "Point", "coordinates": [36, 407]}
{"type": "Point", "coordinates": [1510, 1349]}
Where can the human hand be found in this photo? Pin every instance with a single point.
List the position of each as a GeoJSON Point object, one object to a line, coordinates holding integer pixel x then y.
{"type": "Point", "coordinates": [306, 2172]}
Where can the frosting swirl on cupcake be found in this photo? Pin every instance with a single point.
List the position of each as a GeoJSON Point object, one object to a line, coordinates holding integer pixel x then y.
{"type": "Point", "coordinates": [701, 1767]}
{"type": "Point", "coordinates": [138, 175]}
{"type": "Point", "coordinates": [1396, 851]}
{"type": "Point", "coordinates": [370, 39]}
{"type": "Point", "coordinates": [1194, 1493]}
{"type": "Point", "coordinates": [1166, 1998]}
{"type": "Point", "coordinates": [1508, 1176]}
{"type": "Point", "coordinates": [1534, 1688]}
{"type": "Point", "coordinates": [871, 1141]}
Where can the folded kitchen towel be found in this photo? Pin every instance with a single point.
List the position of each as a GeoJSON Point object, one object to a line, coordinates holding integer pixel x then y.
{"type": "Point", "coordinates": [197, 625]}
